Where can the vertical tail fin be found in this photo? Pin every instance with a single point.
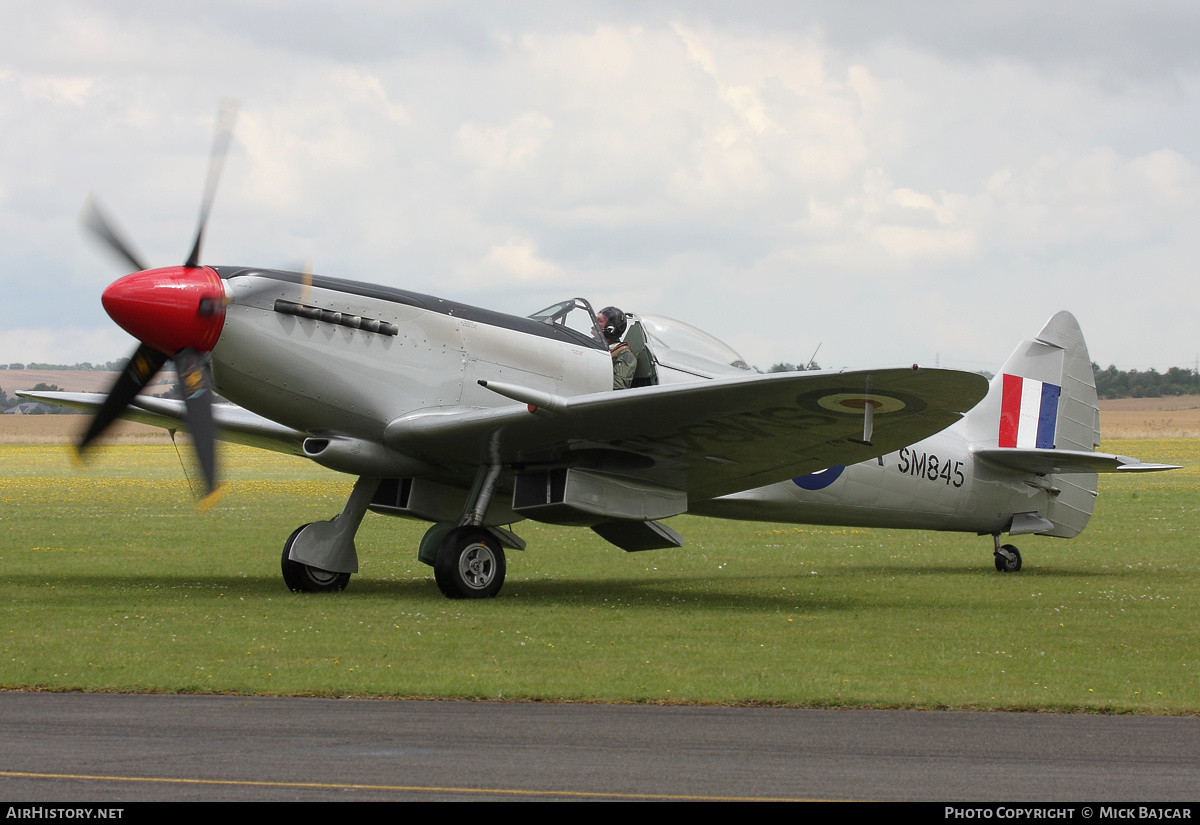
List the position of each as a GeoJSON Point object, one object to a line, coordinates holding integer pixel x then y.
{"type": "Point", "coordinates": [1045, 397]}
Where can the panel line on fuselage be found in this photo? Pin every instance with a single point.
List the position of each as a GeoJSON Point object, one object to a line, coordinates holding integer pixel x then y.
{"type": "Point", "coordinates": [420, 301]}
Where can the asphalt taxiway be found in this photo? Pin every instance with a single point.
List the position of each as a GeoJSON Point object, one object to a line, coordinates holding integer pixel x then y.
{"type": "Point", "coordinates": [111, 748]}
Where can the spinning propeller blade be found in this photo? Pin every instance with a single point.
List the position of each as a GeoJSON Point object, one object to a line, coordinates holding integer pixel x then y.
{"type": "Point", "coordinates": [197, 395]}
{"type": "Point", "coordinates": [216, 164]}
{"type": "Point", "coordinates": [143, 365]}
{"type": "Point", "coordinates": [96, 221]}
{"type": "Point", "coordinates": [306, 283]}
{"type": "Point", "coordinates": [175, 312]}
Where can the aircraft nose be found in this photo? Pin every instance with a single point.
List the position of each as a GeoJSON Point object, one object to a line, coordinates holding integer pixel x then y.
{"type": "Point", "coordinates": [169, 309]}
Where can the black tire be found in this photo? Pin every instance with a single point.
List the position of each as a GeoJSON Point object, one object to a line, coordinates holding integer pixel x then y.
{"type": "Point", "coordinates": [470, 564]}
{"type": "Point", "coordinates": [300, 578]}
{"type": "Point", "coordinates": [1009, 565]}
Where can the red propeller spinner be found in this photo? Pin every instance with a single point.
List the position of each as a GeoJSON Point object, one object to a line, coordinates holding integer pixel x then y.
{"type": "Point", "coordinates": [169, 309]}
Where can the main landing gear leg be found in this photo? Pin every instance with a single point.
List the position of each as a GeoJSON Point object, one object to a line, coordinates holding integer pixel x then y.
{"type": "Point", "coordinates": [469, 561]}
{"type": "Point", "coordinates": [1008, 557]}
{"type": "Point", "coordinates": [320, 557]}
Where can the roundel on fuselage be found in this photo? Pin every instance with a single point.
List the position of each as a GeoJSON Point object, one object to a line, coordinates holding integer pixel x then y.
{"type": "Point", "coordinates": [820, 479]}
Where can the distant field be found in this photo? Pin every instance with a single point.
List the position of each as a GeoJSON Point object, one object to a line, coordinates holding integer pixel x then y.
{"type": "Point", "coordinates": [1173, 417]}
{"type": "Point", "coordinates": [110, 580]}
{"type": "Point", "coordinates": [12, 381]}
{"type": "Point", "coordinates": [60, 429]}
{"type": "Point", "coordinates": [70, 380]}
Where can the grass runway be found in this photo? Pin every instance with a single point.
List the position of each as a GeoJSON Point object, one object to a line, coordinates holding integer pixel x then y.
{"type": "Point", "coordinates": [110, 580]}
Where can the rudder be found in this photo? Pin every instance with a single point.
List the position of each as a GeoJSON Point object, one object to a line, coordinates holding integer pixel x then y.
{"type": "Point", "coordinates": [1045, 397]}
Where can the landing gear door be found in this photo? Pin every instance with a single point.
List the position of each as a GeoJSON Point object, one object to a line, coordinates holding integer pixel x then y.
{"type": "Point", "coordinates": [646, 374]}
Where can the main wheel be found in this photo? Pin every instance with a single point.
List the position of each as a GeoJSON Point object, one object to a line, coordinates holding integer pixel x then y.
{"type": "Point", "coordinates": [301, 578]}
{"type": "Point", "coordinates": [470, 564]}
{"type": "Point", "coordinates": [1010, 563]}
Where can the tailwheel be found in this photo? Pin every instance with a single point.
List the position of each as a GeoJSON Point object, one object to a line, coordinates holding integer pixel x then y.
{"type": "Point", "coordinates": [1008, 559]}
{"type": "Point", "coordinates": [470, 564]}
{"type": "Point", "coordinates": [303, 578]}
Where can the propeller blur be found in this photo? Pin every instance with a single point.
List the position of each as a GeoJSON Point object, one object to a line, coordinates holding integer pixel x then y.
{"type": "Point", "coordinates": [175, 312]}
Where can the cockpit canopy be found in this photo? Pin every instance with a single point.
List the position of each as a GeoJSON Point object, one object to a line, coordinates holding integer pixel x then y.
{"type": "Point", "coordinates": [668, 350]}
{"type": "Point", "coordinates": [678, 344]}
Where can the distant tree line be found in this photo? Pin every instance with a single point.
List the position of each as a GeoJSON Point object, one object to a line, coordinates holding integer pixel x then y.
{"type": "Point", "coordinates": [1114, 383]}
{"type": "Point", "coordinates": [111, 366]}
{"type": "Point", "coordinates": [811, 365]}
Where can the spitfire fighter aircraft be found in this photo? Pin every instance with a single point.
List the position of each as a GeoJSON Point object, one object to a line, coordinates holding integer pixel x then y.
{"type": "Point", "coordinates": [475, 420]}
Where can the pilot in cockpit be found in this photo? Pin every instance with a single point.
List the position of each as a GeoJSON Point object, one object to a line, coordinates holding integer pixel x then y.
{"type": "Point", "coordinates": [612, 324]}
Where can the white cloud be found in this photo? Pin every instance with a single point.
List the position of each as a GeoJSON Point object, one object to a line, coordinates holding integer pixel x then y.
{"type": "Point", "coordinates": [519, 259]}
{"type": "Point", "coordinates": [510, 147]}
{"type": "Point", "coordinates": [815, 176]}
{"type": "Point", "coordinates": [72, 90]}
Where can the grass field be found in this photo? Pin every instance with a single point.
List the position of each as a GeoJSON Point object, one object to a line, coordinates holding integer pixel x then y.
{"type": "Point", "coordinates": [110, 580]}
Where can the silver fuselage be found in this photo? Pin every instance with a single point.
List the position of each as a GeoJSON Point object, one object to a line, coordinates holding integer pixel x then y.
{"type": "Point", "coordinates": [323, 377]}
{"type": "Point", "coordinates": [328, 378]}
{"type": "Point", "coordinates": [935, 484]}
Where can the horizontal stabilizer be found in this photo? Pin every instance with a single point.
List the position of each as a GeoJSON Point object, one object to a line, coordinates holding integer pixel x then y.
{"type": "Point", "coordinates": [1045, 462]}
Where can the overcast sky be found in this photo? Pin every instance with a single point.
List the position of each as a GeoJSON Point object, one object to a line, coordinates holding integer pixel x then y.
{"type": "Point", "coordinates": [897, 182]}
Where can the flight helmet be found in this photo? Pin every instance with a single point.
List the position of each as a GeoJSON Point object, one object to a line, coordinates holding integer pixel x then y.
{"type": "Point", "coordinates": [614, 324]}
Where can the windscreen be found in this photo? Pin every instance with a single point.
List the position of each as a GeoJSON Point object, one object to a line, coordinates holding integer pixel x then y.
{"type": "Point", "coordinates": [574, 314]}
